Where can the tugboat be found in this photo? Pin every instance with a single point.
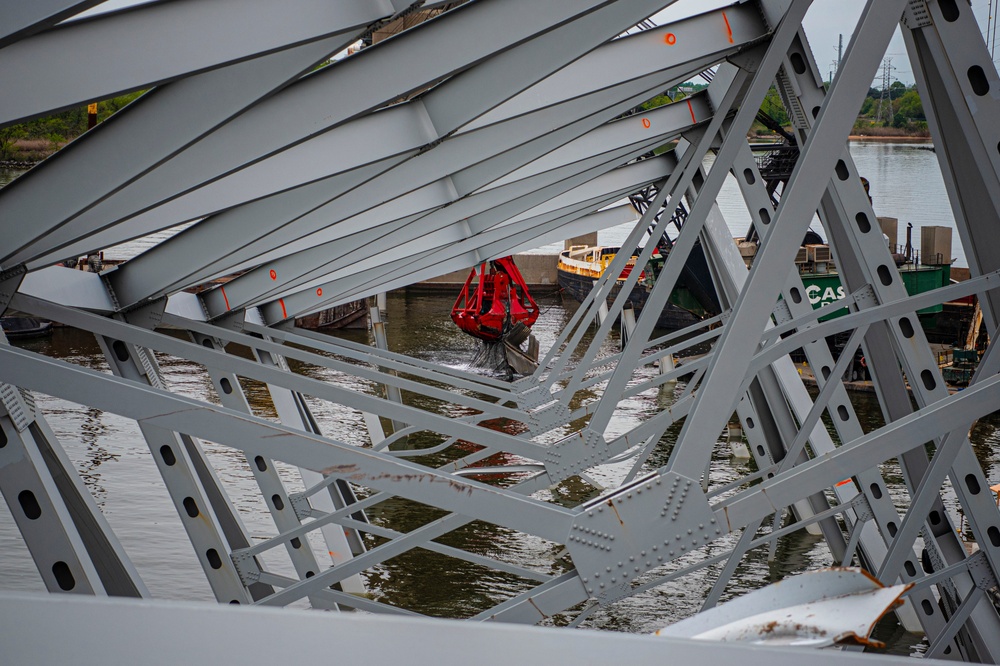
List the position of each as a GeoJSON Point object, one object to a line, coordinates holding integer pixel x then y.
{"type": "Point", "coordinates": [580, 267]}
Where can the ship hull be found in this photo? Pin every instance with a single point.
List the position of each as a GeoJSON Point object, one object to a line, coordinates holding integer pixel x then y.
{"type": "Point", "coordinates": [671, 318]}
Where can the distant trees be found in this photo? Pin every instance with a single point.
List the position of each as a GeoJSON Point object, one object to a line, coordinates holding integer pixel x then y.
{"type": "Point", "coordinates": [906, 111]}
{"type": "Point", "coordinates": [773, 107]}
{"type": "Point", "coordinates": [910, 106]}
{"type": "Point", "coordinates": [34, 139]}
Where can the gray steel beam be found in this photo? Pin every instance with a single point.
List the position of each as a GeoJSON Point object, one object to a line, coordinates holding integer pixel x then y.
{"type": "Point", "coordinates": [191, 108]}
{"type": "Point", "coordinates": [168, 412]}
{"type": "Point", "coordinates": [527, 234]}
{"type": "Point", "coordinates": [394, 246]}
{"type": "Point", "coordinates": [214, 636]}
{"type": "Point", "coordinates": [292, 410]}
{"type": "Point", "coordinates": [348, 349]}
{"type": "Point", "coordinates": [724, 334]}
{"type": "Point", "coordinates": [81, 60]}
{"type": "Point", "coordinates": [68, 536]}
{"type": "Point", "coordinates": [889, 442]}
{"type": "Point", "coordinates": [298, 383]}
{"type": "Point", "coordinates": [819, 156]}
{"type": "Point", "coordinates": [326, 292]}
{"type": "Point", "coordinates": [230, 393]}
{"type": "Point", "coordinates": [511, 198]}
{"type": "Point", "coordinates": [858, 255]}
{"type": "Point", "coordinates": [384, 231]}
{"type": "Point", "coordinates": [37, 506]}
{"type": "Point", "coordinates": [317, 207]}
{"type": "Point", "coordinates": [211, 160]}
{"type": "Point", "coordinates": [844, 418]}
{"type": "Point", "coordinates": [864, 259]}
{"type": "Point", "coordinates": [733, 83]}
{"type": "Point", "coordinates": [178, 465]}
{"type": "Point", "coordinates": [362, 201]}
{"type": "Point", "coordinates": [958, 84]}
{"type": "Point", "coordinates": [22, 19]}
{"type": "Point", "coordinates": [475, 204]}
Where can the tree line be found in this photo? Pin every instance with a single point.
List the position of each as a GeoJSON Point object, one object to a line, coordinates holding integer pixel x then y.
{"type": "Point", "coordinates": [35, 139]}
{"type": "Point", "coordinates": [902, 110]}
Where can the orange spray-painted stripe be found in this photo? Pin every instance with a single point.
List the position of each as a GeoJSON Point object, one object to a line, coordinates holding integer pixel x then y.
{"type": "Point", "coordinates": [225, 298]}
{"type": "Point", "coordinates": [729, 28]}
{"type": "Point", "coordinates": [284, 312]}
{"type": "Point", "coordinates": [691, 109]}
{"type": "Point", "coordinates": [844, 482]}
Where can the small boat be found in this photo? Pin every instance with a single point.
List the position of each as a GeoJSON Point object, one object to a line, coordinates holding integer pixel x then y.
{"type": "Point", "coordinates": [25, 327]}
{"type": "Point", "coordinates": [580, 267]}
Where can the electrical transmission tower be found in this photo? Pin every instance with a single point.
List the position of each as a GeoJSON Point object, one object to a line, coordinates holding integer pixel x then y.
{"type": "Point", "coordinates": [884, 112]}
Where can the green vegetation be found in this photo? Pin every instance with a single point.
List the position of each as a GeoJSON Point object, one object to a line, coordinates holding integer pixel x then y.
{"type": "Point", "coordinates": [36, 139]}
{"type": "Point", "coordinates": [672, 95]}
{"type": "Point", "coordinates": [902, 115]}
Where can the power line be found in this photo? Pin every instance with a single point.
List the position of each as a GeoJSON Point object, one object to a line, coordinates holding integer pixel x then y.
{"type": "Point", "coordinates": [884, 113]}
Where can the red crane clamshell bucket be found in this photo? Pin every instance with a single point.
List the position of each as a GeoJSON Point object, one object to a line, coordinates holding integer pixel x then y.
{"type": "Point", "coordinates": [498, 300]}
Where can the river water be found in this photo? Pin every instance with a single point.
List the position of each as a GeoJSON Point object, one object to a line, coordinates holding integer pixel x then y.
{"type": "Point", "coordinates": [116, 465]}
{"type": "Point", "coordinates": [905, 183]}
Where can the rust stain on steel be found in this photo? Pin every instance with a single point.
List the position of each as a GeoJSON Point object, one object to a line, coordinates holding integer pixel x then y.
{"type": "Point", "coordinates": [533, 605]}
{"type": "Point", "coordinates": [340, 469]}
{"type": "Point", "coordinates": [353, 473]}
{"type": "Point", "coordinates": [617, 515]}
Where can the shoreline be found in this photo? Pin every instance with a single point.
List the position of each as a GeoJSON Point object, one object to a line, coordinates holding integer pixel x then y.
{"type": "Point", "coordinates": [882, 139]}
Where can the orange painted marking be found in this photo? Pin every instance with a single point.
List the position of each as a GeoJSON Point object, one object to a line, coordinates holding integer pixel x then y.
{"type": "Point", "coordinates": [843, 483]}
{"type": "Point", "coordinates": [729, 28]}
{"type": "Point", "coordinates": [670, 39]}
{"type": "Point", "coordinates": [225, 298]}
{"type": "Point", "coordinates": [319, 291]}
{"type": "Point", "coordinates": [284, 312]}
{"type": "Point", "coordinates": [274, 276]}
{"type": "Point", "coordinates": [645, 123]}
{"type": "Point", "coordinates": [691, 109]}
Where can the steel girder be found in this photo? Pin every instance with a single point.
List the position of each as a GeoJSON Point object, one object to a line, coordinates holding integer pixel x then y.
{"type": "Point", "coordinates": [192, 108]}
{"type": "Point", "coordinates": [843, 199]}
{"type": "Point", "coordinates": [71, 543]}
{"type": "Point", "coordinates": [21, 19]}
{"type": "Point", "coordinates": [214, 635]}
{"type": "Point", "coordinates": [21, 363]}
{"type": "Point", "coordinates": [157, 38]}
{"type": "Point", "coordinates": [568, 41]}
{"type": "Point", "coordinates": [306, 109]}
{"type": "Point", "coordinates": [501, 202]}
{"type": "Point", "coordinates": [957, 79]}
{"type": "Point", "coordinates": [310, 210]}
{"type": "Point", "coordinates": [423, 237]}
{"type": "Point", "coordinates": [802, 199]}
{"type": "Point", "coordinates": [624, 140]}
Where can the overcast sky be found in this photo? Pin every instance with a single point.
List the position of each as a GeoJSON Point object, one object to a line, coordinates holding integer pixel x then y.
{"type": "Point", "coordinates": [826, 20]}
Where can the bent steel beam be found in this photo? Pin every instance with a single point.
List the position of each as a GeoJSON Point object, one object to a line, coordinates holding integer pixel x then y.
{"type": "Point", "coordinates": [569, 40]}
{"type": "Point", "coordinates": [151, 33]}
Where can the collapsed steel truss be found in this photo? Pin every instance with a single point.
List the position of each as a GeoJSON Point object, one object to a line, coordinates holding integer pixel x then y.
{"type": "Point", "coordinates": [496, 126]}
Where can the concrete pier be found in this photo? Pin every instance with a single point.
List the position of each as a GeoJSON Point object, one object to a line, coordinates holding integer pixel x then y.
{"type": "Point", "coordinates": [539, 271]}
